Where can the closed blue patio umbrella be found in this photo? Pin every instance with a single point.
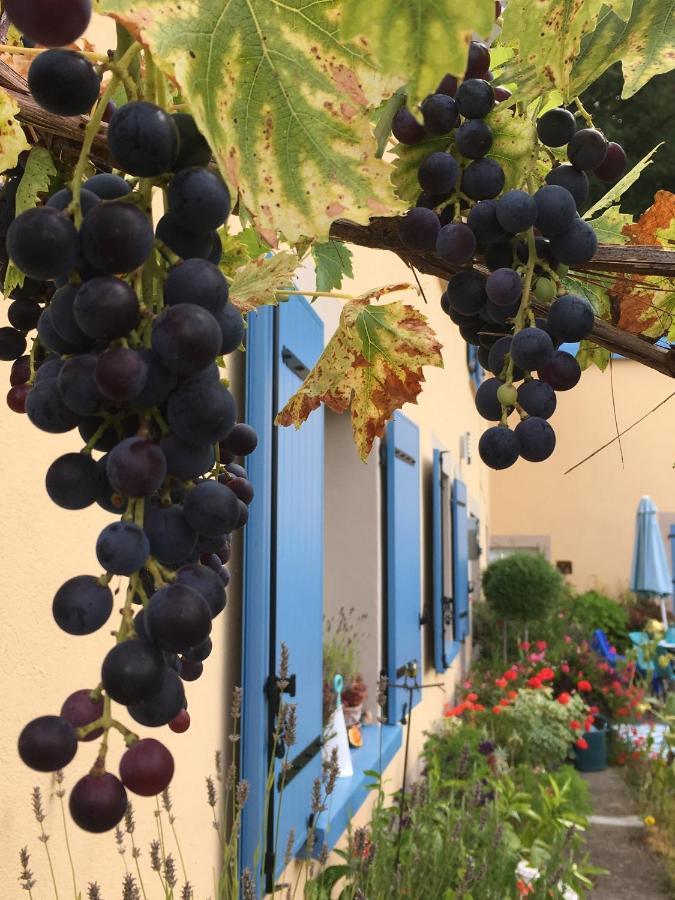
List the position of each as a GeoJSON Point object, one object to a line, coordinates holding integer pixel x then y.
{"type": "Point", "coordinates": [650, 573]}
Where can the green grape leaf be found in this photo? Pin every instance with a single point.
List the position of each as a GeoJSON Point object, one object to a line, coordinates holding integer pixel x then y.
{"type": "Point", "coordinates": [645, 46]}
{"type": "Point", "coordinates": [548, 36]}
{"type": "Point", "coordinates": [371, 366]}
{"type": "Point", "coordinates": [418, 40]}
{"type": "Point", "coordinates": [12, 139]}
{"type": "Point", "coordinates": [384, 119]}
{"type": "Point", "coordinates": [333, 260]}
{"type": "Point", "coordinates": [256, 283]}
{"type": "Point", "coordinates": [595, 289]}
{"type": "Point", "coordinates": [609, 226]}
{"type": "Point", "coordinates": [514, 144]}
{"type": "Point", "coordinates": [284, 103]}
{"type": "Point", "coordinates": [590, 354]}
{"type": "Point", "coordinates": [239, 249]}
{"type": "Point", "coordinates": [39, 173]}
{"type": "Point", "coordinates": [407, 159]}
{"type": "Point", "coordinates": [619, 189]}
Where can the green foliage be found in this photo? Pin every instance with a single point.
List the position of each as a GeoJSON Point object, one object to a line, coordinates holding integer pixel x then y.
{"type": "Point", "coordinates": [333, 261]}
{"type": "Point", "coordinates": [593, 610]}
{"type": "Point", "coordinates": [522, 587]}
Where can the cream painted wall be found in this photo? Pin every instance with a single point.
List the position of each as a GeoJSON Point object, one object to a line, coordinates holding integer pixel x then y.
{"type": "Point", "coordinates": [589, 514]}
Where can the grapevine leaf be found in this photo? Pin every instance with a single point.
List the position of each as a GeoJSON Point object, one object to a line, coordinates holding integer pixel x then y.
{"type": "Point", "coordinates": [590, 354]}
{"type": "Point", "coordinates": [407, 162]}
{"type": "Point", "coordinates": [14, 278]}
{"type": "Point", "coordinates": [619, 189]}
{"type": "Point", "coordinates": [239, 249]}
{"type": "Point", "coordinates": [284, 103]}
{"type": "Point", "coordinates": [646, 303]}
{"type": "Point", "coordinates": [385, 119]}
{"type": "Point", "coordinates": [645, 46]}
{"type": "Point", "coordinates": [514, 144]}
{"type": "Point", "coordinates": [548, 36]}
{"type": "Point", "coordinates": [36, 179]}
{"type": "Point", "coordinates": [256, 282]}
{"type": "Point", "coordinates": [371, 366]}
{"type": "Point", "coordinates": [333, 260]}
{"type": "Point", "coordinates": [418, 40]}
{"type": "Point", "coordinates": [609, 226]}
{"type": "Point", "coordinates": [595, 289]}
{"type": "Point", "coordinates": [12, 139]}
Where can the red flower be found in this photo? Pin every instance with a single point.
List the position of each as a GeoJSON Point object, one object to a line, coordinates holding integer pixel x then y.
{"type": "Point", "coordinates": [501, 682]}
{"type": "Point", "coordinates": [584, 685]}
{"type": "Point", "coordinates": [472, 698]}
{"type": "Point", "coordinates": [541, 645]}
{"type": "Point", "coordinates": [504, 702]}
{"type": "Point", "coordinates": [523, 888]}
{"type": "Point", "coordinates": [496, 709]}
{"type": "Point", "coordinates": [524, 645]}
{"type": "Point", "coordinates": [582, 743]}
{"type": "Point", "coordinates": [564, 698]}
{"type": "Point", "coordinates": [478, 707]}
{"type": "Point", "coordinates": [548, 674]}
{"type": "Point", "coordinates": [635, 755]}
{"type": "Point", "coordinates": [575, 726]}
{"type": "Point", "coordinates": [512, 695]}
{"type": "Point", "coordinates": [534, 682]}
{"type": "Point", "coordinates": [510, 675]}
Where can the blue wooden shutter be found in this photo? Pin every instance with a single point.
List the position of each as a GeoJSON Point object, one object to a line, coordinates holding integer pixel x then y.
{"type": "Point", "coordinates": [671, 537]}
{"type": "Point", "coordinates": [460, 558]}
{"type": "Point", "coordinates": [283, 574]}
{"type": "Point", "coordinates": [445, 646]}
{"type": "Point", "coordinates": [403, 555]}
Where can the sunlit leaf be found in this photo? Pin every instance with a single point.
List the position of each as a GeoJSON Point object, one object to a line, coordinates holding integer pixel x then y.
{"type": "Point", "coordinates": [514, 144]}
{"type": "Point", "coordinates": [240, 248]}
{"type": "Point", "coordinates": [283, 101]}
{"type": "Point", "coordinates": [385, 118]}
{"type": "Point", "coordinates": [615, 193]}
{"type": "Point", "coordinates": [609, 226]}
{"type": "Point", "coordinates": [590, 354]}
{"type": "Point", "coordinates": [255, 284]}
{"type": "Point", "coordinates": [332, 260]}
{"type": "Point", "coordinates": [12, 139]}
{"type": "Point", "coordinates": [371, 366]}
{"type": "Point", "coordinates": [595, 288]}
{"type": "Point", "coordinates": [418, 40]}
{"type": "Point", "coordinates": [36, 179]}
{"type": "Point", "coordinates": [407, 162]}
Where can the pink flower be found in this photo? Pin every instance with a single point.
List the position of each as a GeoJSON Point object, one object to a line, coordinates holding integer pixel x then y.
{"type": "Point", "coordinates": [564, 667]}
{"type": "Point", "coordinates": [567, 639]}
{"type": "Point", "coordinates": [541, 645]}
{"type": "Point", "coordinates": [536, 657]}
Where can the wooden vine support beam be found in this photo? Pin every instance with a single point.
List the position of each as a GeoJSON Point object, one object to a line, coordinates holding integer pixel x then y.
{"type": "Point", "coordinates": [64, 137]}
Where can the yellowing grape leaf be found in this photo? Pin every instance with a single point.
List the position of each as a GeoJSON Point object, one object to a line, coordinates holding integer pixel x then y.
{"type": "Point", "coordinates": [12, 139]}
{"type": "Point", "coordinates": [282, 100]}
{"type": "Point", "coordinates": [36, 179]}
{"type": "Point", "coordinates": [590, 354]}
{"type": "Point", "coordinates": [371, 366]}
{"type": "Point", "coordinates": [646, 303]}
{"type": "Point", "coordinates": [609, 226]}
{"type": "Point", "coordinates": [514, 144]}
{"type": "Point", "coordinates": [332, 261]}
{"type": "Point", "coordinates": [406, 163]}
{"type": "Point", "coordinates": [547, 34]}
{"type": "Point", "coordinates": [418, 40]}
{"type": "Point", "coordinates": [645, 45]}
{"type": "Point", "coordinates": [239, 249]}
{"type": "Point", "coordinates": [256, 282]}
{"type": "Point", "coordinates": [619, 189]}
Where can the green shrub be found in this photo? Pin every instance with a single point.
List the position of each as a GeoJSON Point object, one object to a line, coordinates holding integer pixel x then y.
{"type": "Point", "coordinates": [522, 587]}
{"type": "Point", "coordinates": [594, 610]}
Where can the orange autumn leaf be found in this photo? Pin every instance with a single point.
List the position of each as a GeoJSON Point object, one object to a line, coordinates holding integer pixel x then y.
{"type": "Point", "coordinates": [372, 366]}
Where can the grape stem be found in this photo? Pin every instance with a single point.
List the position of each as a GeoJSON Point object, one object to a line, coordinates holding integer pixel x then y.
{"type": "Point", "coordinates": [524, 308]}
{"type": "Point", "coordinates": [586, 116]}
{"type": "Point", "coordinates": [36, 51]}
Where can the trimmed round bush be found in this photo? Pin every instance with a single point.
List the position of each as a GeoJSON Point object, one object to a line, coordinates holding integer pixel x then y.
{"type": "Point", "coordinates": [522, 587]}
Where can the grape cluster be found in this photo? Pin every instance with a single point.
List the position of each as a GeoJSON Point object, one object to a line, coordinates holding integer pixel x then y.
{"type": "Point", "coordinates": [526, 239]}
{"type": "Point", "coordinates": [132, 321]}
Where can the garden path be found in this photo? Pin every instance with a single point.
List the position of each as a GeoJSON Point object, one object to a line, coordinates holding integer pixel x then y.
{"type": "Point", "coordinates": [617, 841]}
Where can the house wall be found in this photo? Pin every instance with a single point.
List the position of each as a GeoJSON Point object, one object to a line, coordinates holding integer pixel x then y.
{"type": "Point", "coordinates": [588, 516]}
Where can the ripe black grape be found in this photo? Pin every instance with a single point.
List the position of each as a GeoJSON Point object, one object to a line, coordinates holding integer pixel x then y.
{"type": "Point", "coordinates": [456, 243]}
{"type": "Point", "coordinates": [243, 488]}
{"type": "Point", "coordinates": [77, 385]}
{"type": "Point", "coordinates": [191, 669]}
{"type": "Point", "coordinates": [200, 200]}
{"type": "Point", "coordinates": [498, 447]}
{"type": "Point", "coordinates": [556, 127]}
{"type": "Point", "coordinates": [475, 98]}
{"type": "Point", "coordinates": [132, 671]}
{"type": "Point", "coordinates": [197, 281]}
{"type": "Point", "coordinates": [577, 244]}
{"type": "Point", "coordinates": [531, 348]}
{"type": "Point", "coordinates": [43, 243]}
{"type": "Point", "coordinates": [573, 180]}
{"type": "Point", "coordinates": [49, 23]}
{"type": "Point", "coordinates": [200, 652]}
{"type": "Point", "coordinates": [211, 509]}
{"type": "Point", "coordinates": [122, 548]}
{"type": "Point", "coordinates": [486, 400]}
{"type": "Point", "coordinates": [440, 114]}
{"type": "Point", "coordinates": [12, 344]}
{"type": "Point", "coordinates": [47, 743]}
{"type": "Point", "coordinates": [614, 164]}
{"type": "Point", "coordinates": [473, 138]}
{"type": "Point", "coordinates": [570, 317]}
{"type": "Point", "coordinates": [79, 709]}
{"type": "Point", "coordinates": [516, 211]}
{"type": "Point", "coordinates": [499, 255]}
{"type": "Point", "coordinates": [562, 371]}
{"type": "Point", "coordinates": [107, 186]}
{"type": "Point", "coordinates": [193, 147]}
{"type": "Point", "coordinates": [479, 60]}
{"type": "Point", "coordinates": [482, 220]}
{"type": "Point", "coordinates": [200, 412]}
{"type": "Point", "coordinates": [587, 149]}
{"type": "Point", "coordinates": [106, 308]}
{"type": "Point", "coordinates": [177, 617]}
{"type": "Point", "coordinates": [438, 173]}
{"type": "Point", "coordinates": [483, 179]}
{"type": "Point", "coordinates": [556, 209]}
{"type": "Point", "coordinates": [62, 199]}
{"type": "Point", "coordinates": [504, 287]}
{"type": "Point", "coordinates": [143, 139]}
{"type": "Point", "coordinates": [419, 228]}
{"type": "Point", "coordinates": [82, 605]}
{"type": "Point", "coordinates": [242, 440]}
{"type": "Point", "coordinates": [20, 371]}
{"type": "Point", "coordinates": [448, 85]}
{"type": "Point", "coordinates": [186, 338]}
{"type": "Point", "coordinates": [116, 237]}
{"type": "Point", "coordinates": [185, 461]}
{"type": "Point", "coordinates": [206, 582]}
{"type": "Point", "coordinates": [171, 538]}
{"type": "Point", "coordinates": [121, 374]}
{"type": "Point", "coordinates": [136, 467]}
{"type": "Point", "coordinates": [537, 398]}
{"type": "Point", "coordinates": [501, 314]}
{"type": "Point", "coordinates": [62, 316]}
{"type": "Point", "coordinates": [63, 82]}
{"type": "Point", "coordinates": [71, 481]}
{"type": "Point", "coordinates": [232, 328]}
{"type": "Point", "coordinates": [23, 315]}
{"type": "Point", "coordinates": [49, 336]}
{"type": "Point", "coordinates": [466, 292]}
{"type": "Point", "coordinates": [536, 439]}
{"type": "Point", "coordinates": [47, 411]}
{"type": "Point", "coordinates": [98, 802]}
{"type": "Point", "coordinates": [146, 768]}
{"type": "Point", "coordinates": [164, 705]}
{"type": "Point", "coordinates": [405, 127]}
{"type": "Point", "coordinates": [184, 243]}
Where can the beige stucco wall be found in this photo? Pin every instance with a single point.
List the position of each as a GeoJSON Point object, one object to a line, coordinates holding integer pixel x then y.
{"type": "Point", "coordinates": [589, 515]}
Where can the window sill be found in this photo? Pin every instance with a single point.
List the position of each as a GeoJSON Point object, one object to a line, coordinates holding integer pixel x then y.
{"type": "Point", "coordinates": [350, 793]}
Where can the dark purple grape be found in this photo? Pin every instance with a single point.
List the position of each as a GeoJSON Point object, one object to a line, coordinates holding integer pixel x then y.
{"type": "Point", "coordinates": [531, 348]}
{"type": "Point", "coordinates": [191, 670]}
{"type": "Point", "coordinates": [456, 243]}
{"type": "Point", "coordinates": [186, 338]}
{"type": "Point", "coordinates": [200, 412]}
{"type": "Point", "coordinates": [43, 243]}
{"type": "Point", "coordinates": [181, 722]}
{"type": "Point", "coordinates": [572, 180]}
{"type": "Point", "coordinates": [497, 357]}
{"type": "Point", "coordinates": [504, 287]}
{"type": "Point", "coordinates": [448, 85]}
{"type": "Point", "coordinates": [487, 404]}
{"type": "Point", "coordinates": [48, 743]}
{"type": "Point", "coordinates": [501, 314]}
{"type": "Point", "coordinates": [466, 292]}
{"type": "Point", "coordinates": [501, 93]}
{"type": "Point", "coordinates": [562, 372]}
{"type": "Point", "coordinates": [121, 374]}
{"type": "Point", "coordinates": [405, 127]}
{"type": "Point", "coordinates": [440, 114]}
{"type": "Point", "coordinates": [537, 398]}
{"type": "Point", "coordinates": [203, 580]}
{"type": "Point", "coordinates": [164, 705]}
{"type": "Point", "coordinates": [106, 308]}
{"type": "Point", "coordinates": [12, 344]}
{"type": "Point", "coordinates": [473, 139]}
{"type": "Point", "coordinates": [184, 243]}
{"type": "Point", "coordinates": [185, 461]}
{"type": "Point", "coordinates": [243, 488]}
{"type": "Point", "coordinates": [63, 198]}
{"type": "Point", "coordinates": [197, 281]}
{"type": "Point", "coordinates": [478, 61]}
{"type": "Point", "coordinates": [482, 220]}
{"type": "Point", "coordinates": [556, 209]}
{"type": "Point", "coordinates": [116, 237]}
{"type": "Point", "coordinates": [242, 440]}
{"type": "Point", "coordinates": [577, 244]}
{"type": "Point", "coordinates": [556, 127]}
{"type": "Point", "coordinates": [475, 98]}
{"type": "Point", "coordinates": [516, 211]}
{"type": "Point", "coordinates": [570, 318]}
{"type": "Point", "coordinates": [63, 82]}
{"type": "Point", "coordinates": [614, 164]}
{"type": "Point", "coordinates": [232, 329]}
{"type": "Point", "coordinates": [122, 548]}
{"type": "Point", "coordinates": [171, 538]}
{"type": "Point", "coordinates": [498, 447]}
{"type": "Point", "coordinates": [536, 439]}
{"type": "Point", "coordinates": [143, 140]}
{"type": "Point", "coordinates": [200, 652]}
{"type": "Point", "coordinates": [48, 23]}
{"type": "Point", "coordinates": [438, 173]}
{"type": "Point", "coordinates": [47, 411]}
{"type": "Point", "coordinates": [499, 255]}
{"type": "Point", "coordinates": [146, 768]}
{"type": "Point", "coordinates": [24, 314]}
{"type": "Point", "coordinates": [483, 179]}
{"type": "Point", "coordinates": [211, 509]}
{"type": "Point", "coordinates": [98, 802]}
{"type": "Point", "coordinates": [107, 186]}
{"type": "Point", "coordinates": [177, 617]}
{"type": "Point", "coordinates": [200, 199]}
{"type": "Point", "coordinates": [587, 148]}
{"type": "Point", "coordinates": [20, 372]}
{"type": "Point", "coordinates": [136, 467]}
{"type": "Point", "coordinates": [80, 710]}
{"type": "Point", "coordinates": [71, 481]}
{"type": "Point", "coordinates": [132, 671]}
{"type": "Point", "coordinates": [419, 229]}
{"type": "Point", "coordinates": [193, 147]}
